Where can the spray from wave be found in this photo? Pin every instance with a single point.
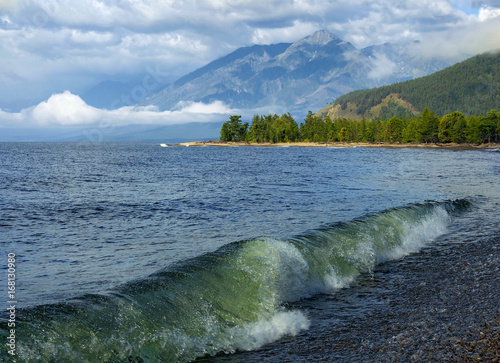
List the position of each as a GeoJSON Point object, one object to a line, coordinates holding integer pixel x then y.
{"type": "Point", "coordinates": [231, 299]}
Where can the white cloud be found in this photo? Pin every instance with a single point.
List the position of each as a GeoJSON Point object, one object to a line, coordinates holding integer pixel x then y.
{"type": "Point", "coordinates": [216, 107]}
{"type": "Point", "coordinates": [382, 67]}
{"type": "Point", "coordinates": [473, 36]}
{"type": "Point", "coordinates": [5, 19]}
{"type": "Point", "coordinates": [281, 35]}
{"type": "Point", "coordinates": [8, 119]}
{"type": "Point", "coordinates": [395, 21]}
{"type": "Point", "coordinates": [486, 14]}
{"type": "Point", "coordinates": [67, 109]}
{"type": "Point", "coordinates": [64, 109]}
{"type": "Point", "coordinates": [79, 36]}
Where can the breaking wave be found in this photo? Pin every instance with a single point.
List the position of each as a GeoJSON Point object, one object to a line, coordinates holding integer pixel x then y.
{"type": "Point", "coordinates": [228, 300]}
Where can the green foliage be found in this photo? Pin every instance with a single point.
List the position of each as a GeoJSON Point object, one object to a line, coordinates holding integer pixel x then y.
{"type": "Point", "coordinates": [452, 128]}
{"type": "Point", "coordinates": [471, 87]}
{"type": "Point", "coordinates": [394, 130]}
{"type": "Point", "coordinates": [343, 134]}
{"type": "Point", "coordinates": [394, 110]}
{"type": "Point", "coordinates": [313, 128]}
{"type": "Point", "coordinates": [410, 132]}
{"type": "Point", "coordinates": [428, 128]}
{"type": "Point", "coordinates": [234, 129]}
{"type": "Point", "coordinates": [273, 128]}
{"type": "Point", "coordinates": [488, 127]}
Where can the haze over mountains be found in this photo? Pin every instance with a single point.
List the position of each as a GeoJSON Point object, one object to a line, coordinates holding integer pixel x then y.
{"type": "Point", "coordinates": [299, 76]}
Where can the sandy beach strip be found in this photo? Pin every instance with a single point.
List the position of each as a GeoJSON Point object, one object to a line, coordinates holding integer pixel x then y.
{"type": "Point", "coordinates": [450, 146]}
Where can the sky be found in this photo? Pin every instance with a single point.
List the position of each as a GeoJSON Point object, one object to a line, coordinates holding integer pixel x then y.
{"type": "Point", "coordinates": [52, 51]}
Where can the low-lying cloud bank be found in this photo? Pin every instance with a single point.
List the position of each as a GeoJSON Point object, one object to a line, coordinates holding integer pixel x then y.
{"type": "Point", "coordinates": [67, 109]}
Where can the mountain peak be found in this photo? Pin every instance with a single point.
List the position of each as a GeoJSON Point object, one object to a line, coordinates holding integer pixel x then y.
{"type": "Point", "coordinates": [321, 37]}
{"type": "Point", "coordinates": [305, 74]}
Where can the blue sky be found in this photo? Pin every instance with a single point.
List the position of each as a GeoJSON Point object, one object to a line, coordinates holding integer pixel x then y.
{"type": "Point", "coordinates": [468, 7]}
{"type": "Point", "coordinates": [51, 51]}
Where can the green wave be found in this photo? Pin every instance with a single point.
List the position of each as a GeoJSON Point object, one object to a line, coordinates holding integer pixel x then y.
{"type": "Point", "coordinates": [228, 300]}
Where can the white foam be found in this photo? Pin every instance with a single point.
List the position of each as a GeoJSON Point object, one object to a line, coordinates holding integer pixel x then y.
{"type": "Point", "coordinates": [419, 235]}
{"type": "Point", "coordinates": [263, 332]}
{"type": "Point", "coordinates": [335, 282]}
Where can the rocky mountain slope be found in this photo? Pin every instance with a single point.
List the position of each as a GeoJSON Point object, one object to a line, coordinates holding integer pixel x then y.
{"type": "Point", "coordinates": [300, 76]}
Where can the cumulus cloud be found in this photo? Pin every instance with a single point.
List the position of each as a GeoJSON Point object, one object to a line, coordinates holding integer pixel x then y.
{"type": "Point", "coordinates": [486, 14]}
{"type": "Point", "coordinates": [64, 109]}
{"type": "Point", "coordinates": [67, 109]}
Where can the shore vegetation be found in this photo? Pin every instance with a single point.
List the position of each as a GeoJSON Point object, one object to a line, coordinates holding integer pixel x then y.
{"type": "Point", "coordinates": [426, 128]}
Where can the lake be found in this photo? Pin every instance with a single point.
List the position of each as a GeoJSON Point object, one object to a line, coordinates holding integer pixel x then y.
{"type": "Point", "coordinates": [135, 251]}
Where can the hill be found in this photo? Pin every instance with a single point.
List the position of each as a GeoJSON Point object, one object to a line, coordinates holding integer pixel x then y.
{"type": "Point", "coordinates": [294, 76]}
{"type": "Point", "coordinates": [471, 87]}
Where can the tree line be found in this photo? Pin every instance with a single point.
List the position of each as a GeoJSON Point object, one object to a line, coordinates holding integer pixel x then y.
{"type": "Point", "coordinates": [426, 128]}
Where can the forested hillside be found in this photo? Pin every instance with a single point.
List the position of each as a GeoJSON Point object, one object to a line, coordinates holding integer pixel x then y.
{"type": "Point", "coordinates": [471, 87]}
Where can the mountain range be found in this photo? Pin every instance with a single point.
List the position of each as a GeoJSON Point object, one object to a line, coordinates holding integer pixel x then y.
{"type": "Point", "coordinates": [296, 76]}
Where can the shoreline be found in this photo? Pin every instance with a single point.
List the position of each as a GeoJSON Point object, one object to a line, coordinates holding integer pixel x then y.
{"type": "Point", "coordinates": [449, 146]}
{"type": "Point", "coordinates": [442, 307]}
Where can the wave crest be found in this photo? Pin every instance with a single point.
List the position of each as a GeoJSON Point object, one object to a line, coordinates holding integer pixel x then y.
{"type": "Point", "coordinates": [228, 300]}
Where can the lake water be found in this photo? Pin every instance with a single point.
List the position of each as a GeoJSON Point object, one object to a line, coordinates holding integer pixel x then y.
{"type": "Point", "coordinates": [134, 251]}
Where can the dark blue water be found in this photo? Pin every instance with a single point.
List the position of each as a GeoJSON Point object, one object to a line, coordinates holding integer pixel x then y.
{"type": "Point", "coordinates": [97, 218]}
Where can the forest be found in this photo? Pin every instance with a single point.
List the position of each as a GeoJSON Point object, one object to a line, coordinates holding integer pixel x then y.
{"type": "Point", "coordinates": [426, 128]}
